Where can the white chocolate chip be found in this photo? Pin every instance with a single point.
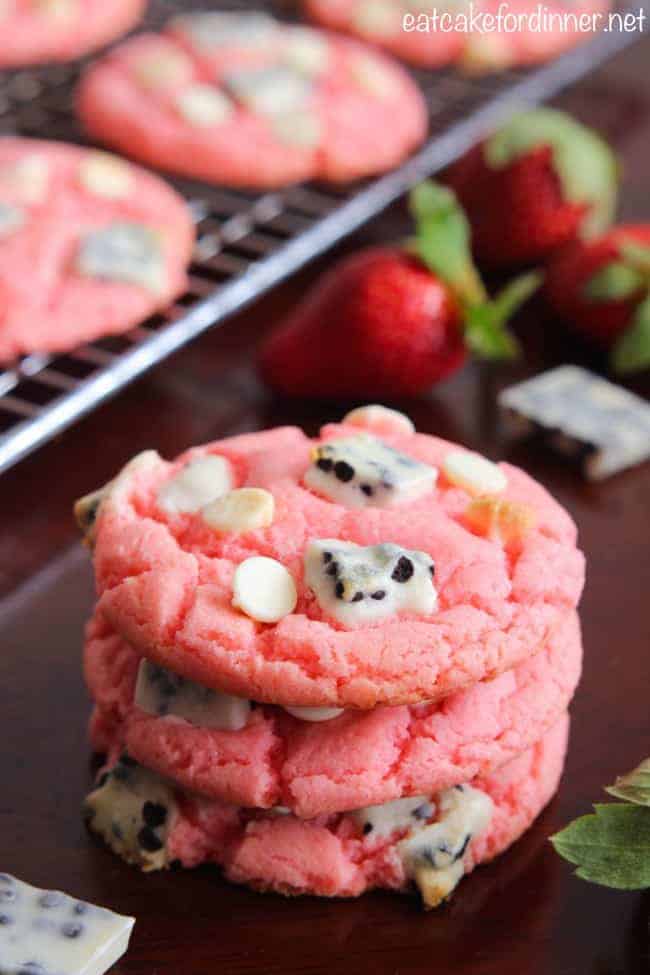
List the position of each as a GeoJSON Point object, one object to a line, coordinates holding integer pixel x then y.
{"type": "Point", "coordinates": [204, 105]}
{"type": "Point", "coordinates": [163, 694]}
{"type": "Point", "coordinates": [264, 589]}
{"type": "Point", "coordinates": [28, 178]}
{"type": "Point", "coordinates": [306, 52]}
{"type": "Point", "coordinates": [86, 509]}
{"type": "Point", "coordinates": [298, 129]}
{"type": "Point", "coordinates": [315, 714]}
{"type": "Point", "coordinates": [167, 68]}
{"type": "Point", "coordinates": [199, 482]}
{"type": "Point", "coordinates": [474, 473]}
{"type": "Point", "coordinates": [106, 175]}
{"type": "Point", "coordinates": [243, 510]}
{"type": "Point", "coordinates": [379, 419]}
{"type": "Point", "coordinates": [58, 9]}
{"type": "Point", "coordinates": [373, 77]}
{"type": "Point", "coordinates": [378, 18]}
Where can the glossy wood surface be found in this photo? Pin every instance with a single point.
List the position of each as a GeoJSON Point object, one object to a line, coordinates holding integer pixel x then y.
{"type": "Point", "coordinates": [525, 914]}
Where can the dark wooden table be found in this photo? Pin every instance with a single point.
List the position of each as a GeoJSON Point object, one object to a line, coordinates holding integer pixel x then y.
{"type": "Point", "coordinates": [525, 914]}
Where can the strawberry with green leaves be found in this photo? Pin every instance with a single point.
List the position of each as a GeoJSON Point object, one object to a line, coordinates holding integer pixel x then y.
{"type": "Point", "coordinates": [536, 184]}
{"type": "Point", "coordinates": [602, 290]}
{"type": "Point", "coordinates": [389, 322]}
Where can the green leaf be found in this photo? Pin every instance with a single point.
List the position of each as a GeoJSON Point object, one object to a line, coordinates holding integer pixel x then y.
{"type": "Point", "coordinates": [637, 255]}
{"type": "Point", "coordinates": [485, 325]}
{"type": "Point", "coordinates": [635, 786]}
{"type": "Point", "coordinates": [443, 240]}
{"type": "Point", "coordinates": [614, 282]}
{"type": "Point", "coordinates": [586, 166]}
{"type": "Point", "coordinates": [632, 351]}
{"type": "Point", "coordinates": [611, 848]}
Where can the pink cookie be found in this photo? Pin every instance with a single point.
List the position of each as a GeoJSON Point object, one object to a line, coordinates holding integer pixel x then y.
{"type": "Point", "coordinates": [38, 31]}
{"type": "Point", "coordinates": [310, 591]}
{"type": "Point", "coordinates": [534, 42]}
{"type": "Point", "coordinates": [356, 759]}
{"type": "Point", "coordinates": [390, 24]}
{"type": "Point", "coordinates": [243, 100]}
{"type": "Point", "coordinates": [427, 842]}
{"type": "Point", "coordinates": [89, 245]}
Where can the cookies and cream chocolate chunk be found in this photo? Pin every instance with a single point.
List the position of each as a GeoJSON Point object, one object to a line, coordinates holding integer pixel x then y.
{"type": "Point", "coordinates": [123, 251]}
{"type": "Point", "coordinates": [11, 219]}
{"type": "Point", "coordinates": [133, 810]}
{"type": "Point", "coordinates": [581, 415]}
{"type": "Point", "coordinates": [389, 817]}
{"type": "Point", "coordinates": [362, 471]}
{"type": "Point", "coordinates": [356, 584]}
{"type": "Point", "coordinates": [47, 932]}
{"type": "Point", "coordinates": [198, 483]}
{"type": "Point", "coordinates": [216, 29]}
{"type": "Point", "coordinates": [161, 693]}
{"type": "Point", "coordinates": [433, 854]}
{"type": "Point", "coordinates": [269, 91]}
{"type": "Point", "coordinates": [86, 509]}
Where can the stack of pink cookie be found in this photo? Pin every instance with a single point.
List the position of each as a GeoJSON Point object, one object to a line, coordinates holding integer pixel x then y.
{"type": "Point", "coordinates": [328, 665]}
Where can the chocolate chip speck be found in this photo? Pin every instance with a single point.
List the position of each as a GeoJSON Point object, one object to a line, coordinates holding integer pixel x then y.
{"type": "Point", "coordinates": [403, 570]}
{"type": "Point", "coordinates": [149, 841]}
{"type": "Point", "coordinates": [343, 471]}
{"type": "Point", "coordinates": [367, 828]}
{"type": "Point", "coordinates": [340, 589]}
{"type": "Point", "coordinates": [327, 556]}
{"type": "Point", "coordinates": [71, 929]}
{"type": "Point", "coordinates": [154, 814]}
{"type": "Point", "coordinates": [80, 908]}
{"type": "Point", "coordinates": [379, 594]}
{"type": "Point", "coordinates": [325, 463]}
{"type": "Point", "coordinates": [367, 489]}
{"type": "Point", "coordinates": [7, 896]}
{"type": "Point", "coordinates": [51, 899]}
{"type": "Point", "coordinates": [358, 596]}
{"type": "Point", "coordinates": [332, 568]}
{"type": "Point", "coordinates": [5, 919]}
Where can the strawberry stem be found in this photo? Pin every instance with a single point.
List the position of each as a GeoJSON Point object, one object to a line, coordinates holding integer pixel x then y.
{"type": "Point", "coordinates": [442, 243]}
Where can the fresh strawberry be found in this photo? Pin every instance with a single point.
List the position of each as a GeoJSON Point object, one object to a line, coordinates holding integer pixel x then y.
{"type": "Point", "coordinates": [602, 289]}
{"type": "Point", "coordinates": [389, 322]}
{"type": "Point", "coordinates": [539, 182]}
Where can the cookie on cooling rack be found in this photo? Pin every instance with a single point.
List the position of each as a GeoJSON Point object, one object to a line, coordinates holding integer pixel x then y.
{"type": "Point", "coordinates": [243, 100]}
{"type": "Point", "coordinates": [43, 31]}
{"type": "Point", "coordinates": [89, 245]}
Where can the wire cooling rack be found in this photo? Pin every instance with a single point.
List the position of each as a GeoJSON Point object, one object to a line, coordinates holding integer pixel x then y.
{"type": "Point", "coordinates": [246, 242]}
